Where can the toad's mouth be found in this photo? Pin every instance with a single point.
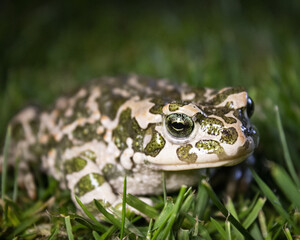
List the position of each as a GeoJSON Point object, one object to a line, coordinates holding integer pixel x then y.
{"type": "Point", "coordinates": [199, 165]}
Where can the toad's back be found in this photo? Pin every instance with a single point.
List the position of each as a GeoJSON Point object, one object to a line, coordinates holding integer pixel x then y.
{"type": "Point", "coordinates": [136, 127]}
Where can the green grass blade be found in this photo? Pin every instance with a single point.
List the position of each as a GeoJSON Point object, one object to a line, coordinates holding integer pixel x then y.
{"type": "Point", "coordinates": [4, 165]}
{"type": "Point", "coordinates": [163, 177]}
{"type": "Point", "coordinates": [224, 211]}
{"type": "Point", "coordinates": [37, 208]}
{"type": "Point", "coordinates": [165, 214]}
{"type": "Point", "coordinates": [108, 215]}
{"type": "Point", "coordinates": [175, 212]}
{"type": "Point", "coordinates": [263, 225]}
{"type": "Point", "coordinates": [201, 201]}
{"type": "Point", "coordinates": [83, 221]}
{"type": "Point", "coordinates": [286, 152]}
{"type": "Point", "coordinates": [90, 215]}
{"type": "Point", "coordinates": [24, 225]}
{"type": "Point", "coordinates": [246, 212]}
{"type": "Point", "coordinates": [149, 232]}
{"type": "Point", "coordinates": [15, 191]}
{"type": "Point", "coordinates": [108, 233]}
{"type": "Point", "coordinates": [97, 236]}
{"type": "Point", "coordinates": [185, 208]}
{"type": "Point", "coordinates": [129, 226]}
{"type": "Point", "coordinates": [228, 230]}
{"type": "Point", "coordinates": [254, 213]}
{"type": "Point", "coordinates": [255, 232]}
{"type": "Point", "coordinates": [162, 231]}
{"type": "Point", "coordinates": [286, 184]}
{"type": "Point", "coordinates": [123, 208]}
{"type": "Point", "coordinates": [53, 234]}
{"type": "Point", "coordinates": [116, 222]}
{"type": "Point", "coordinates": [141, 206]}
{"type": "Point", "coordinates": [203, 232]}
{"type": "Point", "coordinates": [219, 228]}
{"type": "Point", "coordinates": [272, 198]}
{"type": "Point", "coordinates": [183, 234]}
{"type": "Point", "coordinates": [287, 233]}
{"type": "Point", "coordinates": [69, 228]}
{"type": "Point", "coordinates": [230, 206]}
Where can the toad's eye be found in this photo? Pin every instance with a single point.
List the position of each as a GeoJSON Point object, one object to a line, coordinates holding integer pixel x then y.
{"type": "Point", "coordinates": [250, 107]}
{"type": "Point", "coordinates": [179, 125]}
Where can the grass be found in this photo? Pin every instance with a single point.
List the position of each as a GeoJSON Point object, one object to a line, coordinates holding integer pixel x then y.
{"type": "Point", "coordinates": [254, 44]}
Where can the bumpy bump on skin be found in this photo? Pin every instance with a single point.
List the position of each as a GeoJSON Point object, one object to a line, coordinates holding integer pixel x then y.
{"type": "Point", "coordinates": [210, 146]}
{"type": "Point", "coordinates": [74, 165]}
{"type": "Point", "coordinates": [184, 154]}
{"type": "Point", "coordinates": [155, 145]}
{"type": "Point", "coordinates": [212, 126]}
{"type": "Point", "coordinates": [88, 183]}
{"type": "Point", "coordinates": [229, 135]}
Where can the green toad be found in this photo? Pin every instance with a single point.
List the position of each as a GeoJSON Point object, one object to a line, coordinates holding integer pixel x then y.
{"type": "Point", "coordinates": [136, 127]}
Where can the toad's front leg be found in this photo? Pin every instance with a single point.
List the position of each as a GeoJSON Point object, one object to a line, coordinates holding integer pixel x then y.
{"type": "Point", "coordinates": [85, 179]}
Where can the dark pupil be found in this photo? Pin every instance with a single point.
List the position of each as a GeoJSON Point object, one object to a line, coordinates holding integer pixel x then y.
{"type": "Point", "coordinates": [178, 126]}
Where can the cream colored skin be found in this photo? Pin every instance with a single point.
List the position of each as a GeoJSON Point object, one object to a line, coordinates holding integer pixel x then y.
{"type": "Point", "coordinates": [142, 147]}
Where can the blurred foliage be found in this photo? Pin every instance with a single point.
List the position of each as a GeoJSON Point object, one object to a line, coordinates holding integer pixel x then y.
{"type": "Point", "coordinates": [49, 48]}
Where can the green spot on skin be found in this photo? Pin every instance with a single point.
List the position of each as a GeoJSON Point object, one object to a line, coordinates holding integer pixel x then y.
{"type": "Point", "coordinates": [219, 98]}
{"type": "Point", "coordinates": [212, 126]}
{"type": "Point", "coordinates": [18, 132]}
{"type": "Point", "coordinates": [210, 146]}
{"type": "Point", "coordinates": [174, 106]}
{"type": "Point", "coordinates": [184, 154]}
{"type": "Point", "coordinates": [79, 110]}
{"type": "Point", "coordinates": [221, 112]}
{"type": "Point", "coordinates": [88, 183]}
{"type": "Point", "coordinates": [35, 126]}
{"type": "Point", "coordinates": [90, 155]}
{"type": "Point", "coordinates": [157, 108]}
{"type": "Point", "coordinates": [121, 132]}
{"type": "Point", "coordinates": [155, 145]}
{"type": "Point", "coordinates": [109, 103]}
{"type": "Point", "coordinates": [87, 132]}
{"type": "Point", "coordinates": [229, 135]}
{"type": "Point", "coordinates": [74, 165]}
{"type": "Point", "coordinates": [128, 128]}
{"type": "Point", "coordinates": [229, 120]}
{"type": "Point", "coordinates": [65, 143]}
{"type": "Point", "coordinates": [110, 171]}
